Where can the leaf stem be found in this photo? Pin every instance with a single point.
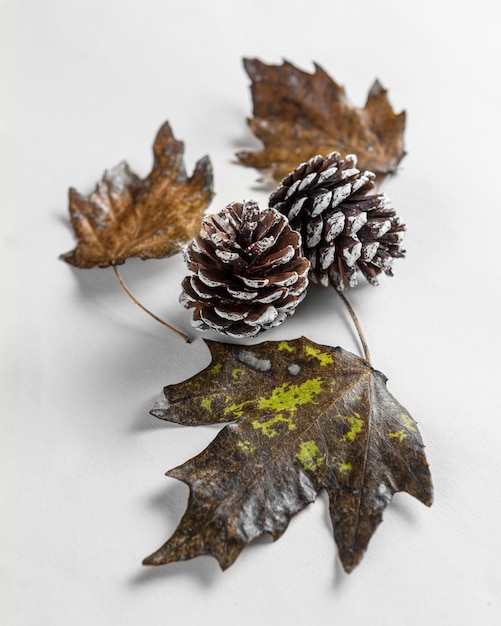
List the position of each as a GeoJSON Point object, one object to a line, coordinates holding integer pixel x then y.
{"type": "Point", "coordinates": [133, 298]}
{"type": "Point", "coordinates": [356, 321]}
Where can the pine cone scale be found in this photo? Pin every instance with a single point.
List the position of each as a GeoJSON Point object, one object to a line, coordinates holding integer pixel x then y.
{"type": "Point", "coordinates": [212, 278]}
{"type": "Point", "coordinates": [352, 252]}
{"type": "Point", "coordinates": [296, 208]}
{"type": "Point", "coordinates": [340, 194]}
{"type": "Point", "coordinates": [334, 226]}
{"type": "Point", "coordinates": [230, 314]}
{"type": "Point", "coordinates": [369, 251]}
{"type": "Point", "coordinates": [240, 294]}
{"type": "Point", "coordinates": [354, 223]}
{"type": "Point", "coordinates": [314, 230]}
{"type": "Point", "coordinates": [307, 181]}
{"type": "Point", "coordinates": [271, 297]}
{"type": "Point", "coordinates": [280, 257]}
{"type": "Point", "coordinates": [327, 175]}
{"type": "Point", "coordinates": [326, 257]}
{"type": "Point", "coordinates": [321, 203]}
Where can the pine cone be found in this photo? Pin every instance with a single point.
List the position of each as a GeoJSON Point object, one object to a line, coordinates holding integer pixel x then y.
{"type": "Point", "coordinates": [249, 273]}
{"type": "Point", "coordinates": [343, 228]}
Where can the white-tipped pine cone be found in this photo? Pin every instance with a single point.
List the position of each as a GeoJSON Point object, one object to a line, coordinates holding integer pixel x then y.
{"type": "Point", "coordinates": [249, 273]}
{"type": "Point", "coordinates": [343, 226]}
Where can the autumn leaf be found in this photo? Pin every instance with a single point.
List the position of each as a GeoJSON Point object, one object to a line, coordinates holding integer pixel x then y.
{"type": "Point", "coordinates": [127, 216]}
{"type": "Point", "coordinates": [303, 417]}
{"type": "Point", "coordinates": [298, 115]}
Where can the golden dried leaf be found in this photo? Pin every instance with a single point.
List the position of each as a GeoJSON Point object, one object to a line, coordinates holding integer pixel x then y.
{"type": "Point", "coordinates": [149, 218]}
{"type": "Point", "coordinates": [298, 115]}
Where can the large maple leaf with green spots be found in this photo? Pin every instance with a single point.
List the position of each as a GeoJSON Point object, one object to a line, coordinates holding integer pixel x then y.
{"type": "Point", "coordinates": [302, 417]}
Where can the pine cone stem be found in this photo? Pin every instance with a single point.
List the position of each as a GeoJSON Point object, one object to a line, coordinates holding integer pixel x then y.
{"type": "Point", "coordinates": [358, 326]}
{"type": "Point", "coordinates": [136, 301]}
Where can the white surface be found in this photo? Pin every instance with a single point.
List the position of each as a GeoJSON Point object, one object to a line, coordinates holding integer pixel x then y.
{"type": "Point", "coordinates": [87, 84]}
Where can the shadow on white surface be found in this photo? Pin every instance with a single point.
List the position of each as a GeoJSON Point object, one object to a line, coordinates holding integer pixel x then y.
{"type": "Point", "coordinates": [100, 282]}
{"type": "Point", "coordinates": [203, 570]}
{"type": "Point", "coordinates": [171, 503]}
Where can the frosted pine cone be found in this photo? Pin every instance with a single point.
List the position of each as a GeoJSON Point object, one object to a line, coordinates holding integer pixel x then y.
{"type": "Point", "coordinates": [249, 274]}
{"type": "Point", "coordinates": [343, 227]}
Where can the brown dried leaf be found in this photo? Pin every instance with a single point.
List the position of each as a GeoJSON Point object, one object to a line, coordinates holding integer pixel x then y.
{"type": "Point", "coordinates": [298, 115]}
{"type": "Point", "coordinates": [305, 417]}
{"type": "Point", "coordinates": [127, 216]}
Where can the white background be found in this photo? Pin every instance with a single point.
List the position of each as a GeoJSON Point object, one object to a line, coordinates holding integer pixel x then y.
{"type": "Point", "coordinates": [86, 84]}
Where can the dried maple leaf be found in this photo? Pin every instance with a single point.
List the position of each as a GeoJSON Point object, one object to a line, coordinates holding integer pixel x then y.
{"type": "Point", "coordinates": [298, 115]}
{"type": "Point", "coordinates": [304, 417]}
{"type": "Point", "coordinates": [128, 216]}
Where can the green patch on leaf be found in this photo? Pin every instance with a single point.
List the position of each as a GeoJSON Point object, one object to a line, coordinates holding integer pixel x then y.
{"type": "Point", "coordinates": [398, 434]}
{"type": "Point", "coordinates": [246, 447]}
{"type": "Point", "coordinates": [344, 467]}
{"type": "Point", "coordinates": [324, 358]}
{"type": "Point", "coordinates": [356, 424]}
{"type": "Point", "coordinates": [308, 456]}
{"type": "Point", "coordinates": [237, 410]}
{"type": "Point", "coordinates": [288, 397]}
{"type": "Point", "coordinates": [408, 422]}
{"type": "Point", "coordinates": [207, 403]}
{"type": "Point", "coordinates": [267, 427]}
